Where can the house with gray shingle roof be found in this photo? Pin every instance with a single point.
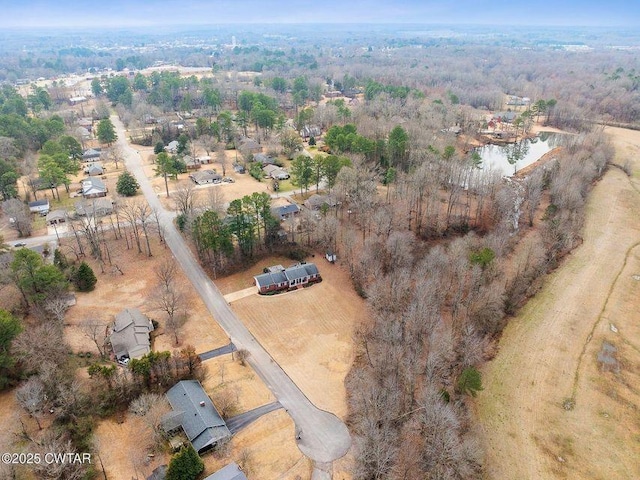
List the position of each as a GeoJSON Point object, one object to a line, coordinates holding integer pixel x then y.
{"type": "Point", "coordinates": [130, 334]}
{"type": "Point", "coordinates": [194, 413]}
{"type": "Point", "coordinates": [277, 278]}
{"type": "Point", "coordinates": [93, 187]}
{"type": "Point", "coordinates": [230, 472]}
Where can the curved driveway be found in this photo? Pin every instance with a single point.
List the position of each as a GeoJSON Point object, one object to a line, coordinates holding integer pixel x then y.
{"type": "Point", "coordinates": [324, 438]}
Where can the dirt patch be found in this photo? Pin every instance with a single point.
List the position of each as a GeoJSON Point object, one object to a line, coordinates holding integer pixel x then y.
{"type": "Point", "coordinates": [308, 331]}
{"type": "Point", "coordinates": [548, 354]}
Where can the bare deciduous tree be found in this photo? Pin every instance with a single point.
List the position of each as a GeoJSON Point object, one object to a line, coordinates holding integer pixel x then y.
{"type": "Point", "coordinates": [19, 216]}
{"type": "Point", "coordinates": [31, 396]}
{"type": "Point", "coordinates": [96, 331]}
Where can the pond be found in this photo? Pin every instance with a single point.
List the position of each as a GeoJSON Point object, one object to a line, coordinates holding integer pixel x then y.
{"type": "Point", "coordinates": [510, 158]}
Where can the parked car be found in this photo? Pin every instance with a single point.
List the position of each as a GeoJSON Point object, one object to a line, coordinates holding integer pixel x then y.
{"type": "Point", "coordinates": [228, 180]}
{"type": "Point", "coordinates": [123, 361]}
{"type": "Point", "coordinates": [19, 244]}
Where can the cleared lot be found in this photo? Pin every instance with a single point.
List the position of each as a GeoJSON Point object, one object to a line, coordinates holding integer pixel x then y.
{"type": "Point", "coordinates": [308, 332]}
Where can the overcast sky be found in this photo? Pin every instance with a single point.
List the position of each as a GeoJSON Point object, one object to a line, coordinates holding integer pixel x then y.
{"type": "Point", "coordinates": [113, 13]}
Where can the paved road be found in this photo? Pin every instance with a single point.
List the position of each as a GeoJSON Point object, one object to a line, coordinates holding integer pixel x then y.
{"type": "Point", "coordinates": [325, 437]}
{"type": "Point", "coordinates": [238, 422]}
{"type": "Point", "coordinates": [217, 352]}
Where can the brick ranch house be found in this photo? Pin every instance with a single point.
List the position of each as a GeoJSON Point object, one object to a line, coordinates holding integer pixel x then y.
{"type": "Point", "coordinates": [277, 278]}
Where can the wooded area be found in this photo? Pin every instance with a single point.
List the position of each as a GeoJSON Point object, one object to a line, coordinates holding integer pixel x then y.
{"type": "Point", "coordinates": [443, 247]}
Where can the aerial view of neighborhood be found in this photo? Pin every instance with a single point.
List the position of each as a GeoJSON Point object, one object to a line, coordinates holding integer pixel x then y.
{"type": "Point", "coordinates": [319, 241]}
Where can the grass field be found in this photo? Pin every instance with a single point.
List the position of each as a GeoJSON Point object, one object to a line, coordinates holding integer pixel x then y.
{"type": "Point", "coordinates": [550, 409]}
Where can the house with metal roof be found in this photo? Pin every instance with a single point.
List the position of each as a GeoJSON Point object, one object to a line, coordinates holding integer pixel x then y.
{"type": "Point", "coordinates": [230, 472]}
{"type": "Point", "coordinates": [194, 413]}
{"type": "Point", "coordinates": [130, 334]}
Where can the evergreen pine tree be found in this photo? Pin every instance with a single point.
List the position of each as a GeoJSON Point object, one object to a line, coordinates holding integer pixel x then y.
{"type": "Point", "coordinates": [185, 465]}
{"type": "Point", "coordinates": [85, 280]}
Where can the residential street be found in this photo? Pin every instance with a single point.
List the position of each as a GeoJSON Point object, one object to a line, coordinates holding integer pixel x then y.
{"type": "Point", "coordinates": [324, 437]}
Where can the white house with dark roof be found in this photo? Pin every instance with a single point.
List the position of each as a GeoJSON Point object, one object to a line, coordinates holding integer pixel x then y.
{"type": "Point", "coordinates": [130, 334]}
{"type": "Point", "coordinates": [194, 413]}
{"type": "Point", "coordinates": [39, 206]}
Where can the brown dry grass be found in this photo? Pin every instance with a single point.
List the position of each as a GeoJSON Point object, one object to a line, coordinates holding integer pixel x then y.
{"type": "Point", "coordinates": [309, 332]}
{"type": "Point", "coordinates": [115, 292]}
{"type": "Point", "coordinates": [269, 447]}
{"type": "Point", "coordinates": [548, 353]}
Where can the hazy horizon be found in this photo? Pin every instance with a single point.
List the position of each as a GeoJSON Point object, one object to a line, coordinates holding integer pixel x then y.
{"type": "Point", "coordinates": [147, 13]}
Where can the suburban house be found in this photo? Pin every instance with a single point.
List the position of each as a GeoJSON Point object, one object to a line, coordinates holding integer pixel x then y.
{"type": "Point", "coordinates": [506, 117]}
{"type": "Point", "coordinates": [172, 147]}
{"type": "Point", "coordinates": [76, 100]}
{"type": "Point", "coordinates": [310, 131]}
{"type": "Point", "coordinates": [93, 187]}
{"type": "Point", "coordinates": [130, 334]}
{"type": "Point", "coordinates": [277, 278]}
{"type": "Point", "coordinates": [39, 206]}
{"type": "Point", "coordinates": [56, 217]}
{"type": "Point", "coordinates": [191, 162]}
{"type": "Point", "coordinates": [264, 159]}
{"type": "Point", "coordinates": [90, 154]}
{"type": "Point", "coordinates": [316, 201]}
{"type": "Point", "coordinates": [85, 122]}
{"type": "Point", "coordinates": [205, 176]}
{"type": "Point", "coordinates": [94, 169]}
{"type": "Point", "coordinates": [83, 133]}
{"type": "Point", "coordinates": [286, 211]}
{"type": "Point", "coordinates": [194, 413]}
{"type": "Point", "coordinates": [97, 207]}
{"type": "Point", "coordinates": [275, 172]}
{"type": "Point", "coordinates": [230, 472]}
{"type": "Point", "coordinates": [249, 145]}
